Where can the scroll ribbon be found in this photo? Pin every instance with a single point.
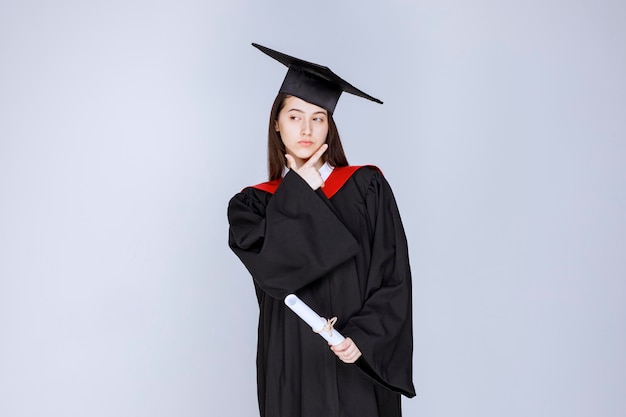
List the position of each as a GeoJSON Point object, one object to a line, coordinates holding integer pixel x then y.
{"type": "Point", "coordinates": [328, 327]}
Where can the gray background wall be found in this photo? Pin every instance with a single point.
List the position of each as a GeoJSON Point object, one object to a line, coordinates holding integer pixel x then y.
{"type": "Point", "coordinates": [125, 127]}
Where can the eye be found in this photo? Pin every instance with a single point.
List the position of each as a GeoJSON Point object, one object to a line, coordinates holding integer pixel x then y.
{"type": "Point", "coordinates": [292, 117]}
{"type": "Point", "coordinates": [319, 119]}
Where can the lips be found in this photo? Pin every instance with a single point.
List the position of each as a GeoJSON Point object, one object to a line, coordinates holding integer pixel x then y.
{"type": "Point", "coordinates": [305, 143]}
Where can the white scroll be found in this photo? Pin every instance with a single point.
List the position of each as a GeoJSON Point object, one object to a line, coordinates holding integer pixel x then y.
{"type": "Point", "coordinates": [319, 324]}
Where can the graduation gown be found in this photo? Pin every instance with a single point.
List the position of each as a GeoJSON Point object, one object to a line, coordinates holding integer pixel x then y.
{"type": "Point", "coordinates": [343, 251]}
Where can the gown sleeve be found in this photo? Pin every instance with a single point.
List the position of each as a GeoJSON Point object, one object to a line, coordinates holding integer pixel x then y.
{"type": "Point", "coordinates": [383, 328]}
{"type": "Point", "coordinates": [289, 239]}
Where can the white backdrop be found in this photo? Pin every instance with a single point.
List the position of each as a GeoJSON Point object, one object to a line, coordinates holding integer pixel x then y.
{"type": "Point", "coordinates": [125, 127]}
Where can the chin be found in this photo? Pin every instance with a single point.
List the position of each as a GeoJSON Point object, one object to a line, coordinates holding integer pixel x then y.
{"type": "Point", "coordinates": [305, 157]}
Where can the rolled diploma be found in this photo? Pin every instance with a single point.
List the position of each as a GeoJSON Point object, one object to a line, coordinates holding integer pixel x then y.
{"type": "Point", "coordinates": [313, 319]}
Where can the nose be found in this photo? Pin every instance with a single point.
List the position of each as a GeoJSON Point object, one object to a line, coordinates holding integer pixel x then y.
{"type": "Point", "coordinates": [306, 128]}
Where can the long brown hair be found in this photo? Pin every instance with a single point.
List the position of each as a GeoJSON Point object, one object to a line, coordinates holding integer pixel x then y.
{"type": "Point", "coordinates": [276, 149]}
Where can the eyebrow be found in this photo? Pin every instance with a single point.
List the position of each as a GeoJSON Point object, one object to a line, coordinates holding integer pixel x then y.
{"type": "Point", "coordinates": [300, 111]}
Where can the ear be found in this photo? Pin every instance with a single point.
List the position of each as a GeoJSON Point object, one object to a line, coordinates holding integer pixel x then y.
{"type": "Point", "coordinates": [276, 126]}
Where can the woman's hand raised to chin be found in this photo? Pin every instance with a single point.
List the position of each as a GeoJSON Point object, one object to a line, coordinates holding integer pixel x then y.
{"type": "Point", "coordinates": [309, 170]}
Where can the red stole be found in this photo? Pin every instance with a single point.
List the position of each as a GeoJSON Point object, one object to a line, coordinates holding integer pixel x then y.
{"type": "Point", "coordinates": [333, 183]}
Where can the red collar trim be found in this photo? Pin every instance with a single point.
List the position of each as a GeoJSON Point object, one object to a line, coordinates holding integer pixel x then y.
{"type": "Point", "coordinates": [269, 187]}
{"type": "Point", "coordinates": [335, 181]}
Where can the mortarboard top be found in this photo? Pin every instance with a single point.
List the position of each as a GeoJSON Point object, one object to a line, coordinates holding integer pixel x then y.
{"type": "Point", "coordinates": [312, 82]}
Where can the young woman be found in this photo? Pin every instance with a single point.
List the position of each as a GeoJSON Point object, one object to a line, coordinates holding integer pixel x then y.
{"type": "Point", "coordinates": [332, 234]}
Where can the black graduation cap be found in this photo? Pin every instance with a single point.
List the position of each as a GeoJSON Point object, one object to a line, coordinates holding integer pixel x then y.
{"type": "Point", "coordinates": [312, 82]}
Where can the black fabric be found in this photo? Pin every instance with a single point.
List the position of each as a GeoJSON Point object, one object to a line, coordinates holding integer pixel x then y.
{"type": "Point", "coordinates": [344, 257]}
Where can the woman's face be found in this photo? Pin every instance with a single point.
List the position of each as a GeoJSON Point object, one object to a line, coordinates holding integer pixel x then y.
{"type": "Point", "coordinates": [303, 128]}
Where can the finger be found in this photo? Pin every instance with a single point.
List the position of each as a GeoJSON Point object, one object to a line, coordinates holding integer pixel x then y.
{"type": "Point", "coordinates": [344, 347]}
{"type": "Point", "coordinates": [291, 163]}
{"type": "Point", "coordinates": [317, 155]}
{"type": "Point", "coordinates": [350, 352]}
{"type": "Point", "coordinates": [352, 355]}
{"type": "Point", "coordinates": [339, 348]}
{"type": "Point", "coordinates": [353, 358]}
{"type": "Point", "coordinates": [350, 358]}
{"type": "Point", "coordinates": [346, 358]}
